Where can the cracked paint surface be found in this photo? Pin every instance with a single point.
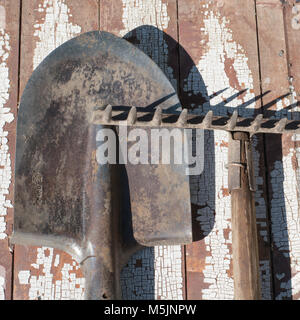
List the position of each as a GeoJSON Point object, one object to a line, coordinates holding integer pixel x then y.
{"type": "Point", "coordinates": [54, 30]}
{"type": "Point", "coordinates": [153, 273]}
{"type": "Point", "coordinates": [284, 198]}
{"type": "Point", "coordinates": [5, 117]}
{"type": "Point", "coordinates": [2, 282]}
{"type": "Point", "coordinates": [224, 68]}
{"type": "Point", "coordinates": [46, 283]}
{"type": "Point", "coordinates": [286, 220]}
{"type": "Point", "coordinates": [296, 17]}
{"type": "Point", "coordinates": [137, 13]}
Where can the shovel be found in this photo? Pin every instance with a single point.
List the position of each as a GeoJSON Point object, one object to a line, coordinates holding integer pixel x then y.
{"type": "Point", "coordinates": [64, 198]}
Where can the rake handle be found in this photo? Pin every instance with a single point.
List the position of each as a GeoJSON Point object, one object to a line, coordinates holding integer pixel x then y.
{"type": "Point", "coordinates": [244, 231]}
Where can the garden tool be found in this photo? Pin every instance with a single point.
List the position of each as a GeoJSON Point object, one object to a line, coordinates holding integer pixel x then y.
{"type": "Point", "coordinates": [64, 198]}
{"type": "Point", "coordinates": [99, 213]}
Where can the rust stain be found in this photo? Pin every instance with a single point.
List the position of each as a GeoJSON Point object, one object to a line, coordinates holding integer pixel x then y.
{"type": "Point", "coordinates": [224, 144]}
{"type": "Point", "coordinates": [225, 192]}
{"type": "Point", "coordinates": [196, 258]}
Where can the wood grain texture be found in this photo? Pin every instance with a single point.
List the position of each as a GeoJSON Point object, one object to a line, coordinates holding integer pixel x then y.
{"type": "Point", "coordinates": [292, 28]}
{"type": "Point", "coordinates": [244, 231]}
{"type": "Point", "coordinates": [281, 152]}
{"type": "Point", "coordinates": [291, 15]}
{"type": "Point", "coordinates": [219, 69]}
{"type": "Point", "coordinates": [9, 55]}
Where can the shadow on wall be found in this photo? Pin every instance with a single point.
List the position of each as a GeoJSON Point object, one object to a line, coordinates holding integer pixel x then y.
{"type": "Point", "coordinates": [282, 287]}
{"type": "Point", "coordinates": [138, 276]}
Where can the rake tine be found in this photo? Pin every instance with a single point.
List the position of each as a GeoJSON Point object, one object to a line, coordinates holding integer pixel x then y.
{"type": "Point", "coordinates": [232, 121]}
{"type": "Point", "coordinates": [182, 121]}
{"type": "Point", "coordinates": [132, 116]}
{"type": "Point", "coordinates": [107, 114]}
{"type": "Point", "coordinates": [156, 121]}
{"type": "Point", "coordinates": [182, 118]}
{"type": "Point", "coordinates": [280, 126]}
{"type": "Point", "coordinates": [257, 122]}
{"type": "Point", "coordinates": [207, 121]}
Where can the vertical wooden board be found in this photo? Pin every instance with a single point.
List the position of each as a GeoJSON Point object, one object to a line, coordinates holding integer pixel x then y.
{"type": "Point", "coordinates": [152, 273]}
{"type": "Point", "coordinates": [219, 71]}
{"type": "Point", "coordinates": [281, 152]}
{"type": "Point", "coordinates": [291, 16]}
{"type": "Point", "coordinates": [272, 50]}
{"type": "Point", "coordinates": [292, 27]}
{"type": "Point", "coordinates": [9, 55]}
{"type": "Point", "coordinates": [46, 273]}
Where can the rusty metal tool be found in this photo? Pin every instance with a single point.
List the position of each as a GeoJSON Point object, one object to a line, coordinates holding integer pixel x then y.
{"type": "Point", "coordinates": [240, 175]}
{"type": "Point", "coordinates": [100, 214]}
{"type": "Point", "coordinates": [64, 199]}
{"type": "Point", "coordinates": [241, 180]}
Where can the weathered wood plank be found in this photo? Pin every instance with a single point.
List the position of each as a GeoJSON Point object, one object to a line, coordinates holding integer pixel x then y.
{"type": "Point", "coordinates": [156, 273]}
{"type": "Point", "coordinates": [289, 284]}
{"type": "Point", "coordinates": [9, 55]}
{"type": "Point", "coordinates": [219, 69]}
{"type": "Point", "coordinates": [245, 259]}
{"type": "Point", "coordinates": [292, 27]}
{"type": "Point", "coordinates": [44, 273]}
{"type": "Point", "coordinates": [281, 152]}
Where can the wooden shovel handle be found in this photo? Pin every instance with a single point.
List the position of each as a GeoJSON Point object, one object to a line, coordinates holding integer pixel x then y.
{"type": "Point", "coordinates": [244, 232]}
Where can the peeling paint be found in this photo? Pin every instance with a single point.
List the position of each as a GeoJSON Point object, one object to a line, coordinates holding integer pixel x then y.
{"type": "Point", "coordinates": [137, 13]}
{"type": "Point", "coordinates": [137, 277]}
{"type": "Point", "coordinates": [295, 23]}
{"type": "Point", "coordinates": [286, 221]}
{"type": "Point", "coordinates": [153, 273]}
{"type": "Point", "coordinates": [2, 17]}
{"type": "Point", "coordinates": [224, 68]}
{"type": "Point", "coordinates": [153, 13]}
{"type": "Point", "coordinates": [265, 276]}
{"type": "Point", "coordinates": [2, 282]}
{"type": "Point", "coordinates": [54, 30]}
{"type": "Point", "coordinates": [5, 117]}
{"type": "Point", "coordinates": [44, 285]}
{"type": "Point", "coordinates": [23, 276]}
{"type": "Point", "coordinates": [168, 273]}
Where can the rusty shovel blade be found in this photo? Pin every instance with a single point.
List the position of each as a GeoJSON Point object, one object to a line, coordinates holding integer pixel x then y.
{"type": "Point", "coordinates": [63, 197]}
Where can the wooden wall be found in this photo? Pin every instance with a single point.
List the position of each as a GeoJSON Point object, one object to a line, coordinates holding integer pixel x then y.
{"type": "Point", "coordinates": [220, 55]}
